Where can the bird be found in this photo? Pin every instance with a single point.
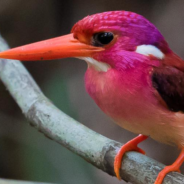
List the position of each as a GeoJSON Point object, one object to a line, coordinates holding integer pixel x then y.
{"type": "Point", "coordinates": [132, 75]}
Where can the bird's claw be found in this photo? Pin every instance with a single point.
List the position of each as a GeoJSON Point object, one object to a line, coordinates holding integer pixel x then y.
{"type": "Point", "coordinates": [129, 146]}
{"type": "Point", "coordinates": [165, 171]}
{"type": "Point", "coordinates": [140, 150]}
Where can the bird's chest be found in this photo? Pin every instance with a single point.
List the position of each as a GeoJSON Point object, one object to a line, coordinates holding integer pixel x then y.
{"type": "Point", "coordinates": [118, 93]}
{"type": "Point", "coordinates": [126, 96]}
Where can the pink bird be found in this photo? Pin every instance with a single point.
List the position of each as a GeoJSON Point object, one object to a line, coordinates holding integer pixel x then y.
{"type": "Point", "coordinates": [132, 75]}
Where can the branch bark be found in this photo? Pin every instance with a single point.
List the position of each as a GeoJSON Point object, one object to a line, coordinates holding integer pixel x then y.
{"type": "Point", "coordinates": [53, 123]}
{"type": "Point", "coordinates": [6, 181]}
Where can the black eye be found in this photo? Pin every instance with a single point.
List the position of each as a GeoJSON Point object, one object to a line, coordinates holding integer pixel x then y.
{"type": "Point", "coordinates": [101, 39]}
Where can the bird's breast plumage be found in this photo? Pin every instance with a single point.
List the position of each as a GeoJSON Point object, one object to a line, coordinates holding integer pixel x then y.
{"type": "Point", "coordinates": [128, 97]}
{"type": "Point", "coordinates": [115, 91]}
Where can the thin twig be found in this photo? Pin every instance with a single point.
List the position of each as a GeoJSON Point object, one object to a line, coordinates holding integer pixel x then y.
{"type": "Point", "coordinates": [93, 147]}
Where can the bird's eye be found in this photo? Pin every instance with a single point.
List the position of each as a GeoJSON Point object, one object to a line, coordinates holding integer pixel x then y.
{"type": "Point", "coordinates": [101, 39]}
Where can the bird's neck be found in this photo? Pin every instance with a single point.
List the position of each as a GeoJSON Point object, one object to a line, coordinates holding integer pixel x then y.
{"type": "Point", "coordinates": [117, 91]}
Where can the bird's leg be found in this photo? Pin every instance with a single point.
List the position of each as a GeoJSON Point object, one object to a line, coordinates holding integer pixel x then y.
{"type": "Point", "coordinates": [129, 146]}
{"type": "Point", "coordinates": [174, 167]}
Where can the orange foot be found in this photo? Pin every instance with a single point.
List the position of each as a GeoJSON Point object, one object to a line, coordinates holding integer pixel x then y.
{"type": "Point", "coordinates": [174, 167]}
{"type": "Point", "coordinates": [129, 146]}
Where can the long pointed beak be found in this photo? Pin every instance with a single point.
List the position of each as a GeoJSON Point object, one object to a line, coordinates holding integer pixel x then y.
{"type": "Point", "coordinates": [55, 48]}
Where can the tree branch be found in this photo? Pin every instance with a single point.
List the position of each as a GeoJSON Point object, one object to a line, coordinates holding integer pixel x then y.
{"type": "Point", "coordinates": [53, 123]}
{"type": "Point", "coordinates": [6, 181]}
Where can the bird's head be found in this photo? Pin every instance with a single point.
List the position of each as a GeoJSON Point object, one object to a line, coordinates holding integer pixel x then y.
{"type": "Point", "coordinates": [99, 39]}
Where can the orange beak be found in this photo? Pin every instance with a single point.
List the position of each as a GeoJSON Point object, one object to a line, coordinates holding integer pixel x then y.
{"type": "Point", "coordinates": [55, 48]}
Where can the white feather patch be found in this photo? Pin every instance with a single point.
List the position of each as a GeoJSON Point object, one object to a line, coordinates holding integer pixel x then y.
{"type": "Point", "coordinates": [150, 50]}
{"type": "Point", "coordinates": [99, 66]}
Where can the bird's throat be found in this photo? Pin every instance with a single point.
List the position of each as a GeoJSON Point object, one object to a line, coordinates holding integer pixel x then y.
{"type": "Point", "coordinates": [97, 65]}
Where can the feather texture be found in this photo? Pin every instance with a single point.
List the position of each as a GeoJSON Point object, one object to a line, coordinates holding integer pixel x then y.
{"type": "Point", "coordinates": [169, 82]}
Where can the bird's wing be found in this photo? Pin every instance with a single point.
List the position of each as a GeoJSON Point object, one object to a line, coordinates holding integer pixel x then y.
{"type": "Point", "coordinates": [169, 83]}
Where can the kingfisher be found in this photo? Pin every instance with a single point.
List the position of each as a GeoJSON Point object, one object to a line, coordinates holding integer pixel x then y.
{"type": "Point", "coordinates": [132, 75]}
